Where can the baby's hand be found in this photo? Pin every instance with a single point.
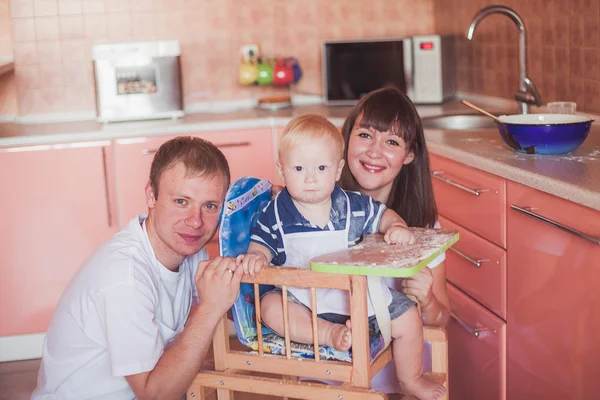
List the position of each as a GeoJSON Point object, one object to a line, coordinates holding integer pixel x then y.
{"type": "Point", "coordinates": [398, 234]}
{"type": "Point", "coordinates": [252, 263]}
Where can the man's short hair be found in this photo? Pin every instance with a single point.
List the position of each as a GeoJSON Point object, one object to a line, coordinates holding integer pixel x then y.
{"type": "Point", "coordinates": [199, 156]}
{"type": "Point", "coordinates": [310, 127]}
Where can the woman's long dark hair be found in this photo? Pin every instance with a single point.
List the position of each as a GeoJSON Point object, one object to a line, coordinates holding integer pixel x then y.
{"type": "Point", "coordinates": [388, 109]}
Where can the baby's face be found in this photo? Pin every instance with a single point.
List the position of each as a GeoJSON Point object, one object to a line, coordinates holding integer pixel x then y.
{"type": "Point", "coordinates": [310, 171]}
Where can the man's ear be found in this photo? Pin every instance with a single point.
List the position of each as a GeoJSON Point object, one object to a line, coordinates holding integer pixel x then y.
{"type": "Point", "coordinates": [280, 170]}
{"type": "Point", "coordinates": [409, 158]}
{"type": "Point", "coordinates": [150, 195]}
{"type": "Point", "coordinates": [340, 169]}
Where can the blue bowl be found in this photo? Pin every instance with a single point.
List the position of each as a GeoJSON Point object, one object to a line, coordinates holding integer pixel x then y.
{"type": "Point", "coordinates": [544, 133]}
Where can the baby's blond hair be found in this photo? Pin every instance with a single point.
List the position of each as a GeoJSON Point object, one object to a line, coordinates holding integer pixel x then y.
{"type": "Point", "coordinates": [306, 127]}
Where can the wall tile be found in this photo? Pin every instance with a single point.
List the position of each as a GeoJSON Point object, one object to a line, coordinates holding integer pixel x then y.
{"type": "Point", "coordinates": [44, 8]}
{"type": "Point", "coordinates": [94, 6]}
{"type": "Point", "coordinates": [28, 77]}
{"type": "Point", "coordinates": [46, 28]}
{"type": "Point", "coordinates": [23, 30]}
{"type": "Point", "coordinates": [69, 7]}
{"type": "Point", "coordinates": [51, 76]}
{"type": "Point", "coordinates": [21, 8]}
{"type": "Point", "coordinates": [71, 27]}
{"type": "Point", "coordinates": [95, 27]}
{"type": "Point", "coordinates": [591, 62]}
{"type": "Point", "coordinates": [591, 30]}
{"type": "Point", "coordinates": [25, 53]}
{"type": "Point", "coordinates": [118, 5]}
{"type": "Point", "coordinates": [49, 52]}
{"type": "Point", "coordinates": [591, 96]}
{"type": "Point", "coordinates": [74, 50]}
{"type": "Point", "coordinates": [119, 26]}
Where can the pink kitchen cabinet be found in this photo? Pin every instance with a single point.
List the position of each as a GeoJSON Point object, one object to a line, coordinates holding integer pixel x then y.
{"type": "Point", "coordinates": [57, 209]}
{"type": "Point", "coordinates": [248, 152]}
{"type": "Point", "coordinates": [476, 350]}
{"type": "Point", "coordinates": [471, 198]}
{"type": "Point", "coordinates": [133, 159]}
{"type": "Point", "coordinates": [553, 310]}
{"type": "Point", "coordinates": [478, 268]}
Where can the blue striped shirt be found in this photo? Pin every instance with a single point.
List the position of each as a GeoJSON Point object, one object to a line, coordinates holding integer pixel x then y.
{"type": "Point", "coordinates": [365, 217]}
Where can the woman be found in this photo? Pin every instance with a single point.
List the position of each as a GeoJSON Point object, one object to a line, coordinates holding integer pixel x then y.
{"type": "Point", "coordinates": [386, 158]}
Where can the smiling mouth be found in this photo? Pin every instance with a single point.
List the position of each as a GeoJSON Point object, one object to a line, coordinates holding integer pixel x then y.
{"type": "Point", "coordinates": [190, 238]}
{"type": "Point", "coordinates": [371, 168]}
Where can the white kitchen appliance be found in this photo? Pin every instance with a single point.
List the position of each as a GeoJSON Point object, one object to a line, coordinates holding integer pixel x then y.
{"type": "Point", "coordinates": [140, 80]}
{"type": "Point", "coordinates": [422, 66]}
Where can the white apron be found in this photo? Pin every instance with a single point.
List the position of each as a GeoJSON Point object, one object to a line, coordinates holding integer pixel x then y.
{"type": "Point", "coordinates": [302, 246]}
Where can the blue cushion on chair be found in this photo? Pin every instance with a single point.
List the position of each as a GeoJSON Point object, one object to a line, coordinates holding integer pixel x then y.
{"type": "Point", "coordinates": [245, 198]}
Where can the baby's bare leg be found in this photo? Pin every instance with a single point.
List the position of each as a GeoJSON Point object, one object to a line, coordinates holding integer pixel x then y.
{"type": "Point", "coordinates": [407, 347]}
{"type": "Point", "coordinates": [330, 334]}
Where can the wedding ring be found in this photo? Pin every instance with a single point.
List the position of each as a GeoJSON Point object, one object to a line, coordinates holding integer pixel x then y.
{"type": "Point", "coordinates": [230, 270]}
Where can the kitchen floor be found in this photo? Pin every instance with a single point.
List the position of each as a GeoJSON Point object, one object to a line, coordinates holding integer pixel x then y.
{"type": "Point", "coordinates": [18, 379]}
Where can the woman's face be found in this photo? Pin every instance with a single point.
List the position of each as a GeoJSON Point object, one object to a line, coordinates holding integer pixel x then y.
{"type": "Point", "coordinates": [375, 159]}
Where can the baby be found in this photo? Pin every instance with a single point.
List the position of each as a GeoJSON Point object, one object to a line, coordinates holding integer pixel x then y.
{"type": "Point", "coordinates": [312, 216]}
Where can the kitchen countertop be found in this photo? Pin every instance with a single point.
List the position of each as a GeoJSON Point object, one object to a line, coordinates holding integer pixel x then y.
{"type": "Point", "coordinates": [575, 177]}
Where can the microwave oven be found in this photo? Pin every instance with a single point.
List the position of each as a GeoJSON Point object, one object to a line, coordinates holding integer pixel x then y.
{"type": "Point", "coordinates": [422, 66]}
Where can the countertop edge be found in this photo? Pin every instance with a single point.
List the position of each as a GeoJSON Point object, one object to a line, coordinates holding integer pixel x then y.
{"type": "Point", "coordinates": [122, 131]}
{"type": "Point", "coordinates": [534, 180]}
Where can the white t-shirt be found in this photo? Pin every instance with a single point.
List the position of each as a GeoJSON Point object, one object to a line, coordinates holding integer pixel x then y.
{"type": "Point", "coordinates": [116, 317]}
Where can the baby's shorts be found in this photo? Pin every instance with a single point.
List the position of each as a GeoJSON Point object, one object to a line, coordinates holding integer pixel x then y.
{"type": "Point", "coordinates": [399, 305]}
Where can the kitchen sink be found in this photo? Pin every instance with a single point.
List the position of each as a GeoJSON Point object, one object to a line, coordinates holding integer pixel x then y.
{"type": "Point", "coordinates": [459, 122]}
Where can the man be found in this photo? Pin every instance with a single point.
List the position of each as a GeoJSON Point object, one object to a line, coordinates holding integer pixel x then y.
{"type": "Point", "coordinates": [138, 317]}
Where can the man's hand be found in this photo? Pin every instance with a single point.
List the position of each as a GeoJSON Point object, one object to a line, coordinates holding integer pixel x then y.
{"type": "Point", "coordinates": [398, 234]}
{"type": "Point", "coordinates": [218, 284]}
{"type": "Point", "coordinates": [252, 263]}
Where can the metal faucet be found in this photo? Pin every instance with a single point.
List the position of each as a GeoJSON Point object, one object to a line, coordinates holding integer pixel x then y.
{"type": "Point", "coordinates": [527, 93]}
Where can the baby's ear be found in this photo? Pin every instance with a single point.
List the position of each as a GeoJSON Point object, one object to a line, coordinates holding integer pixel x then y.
{"type": "Point", "coordinates": [280, 170]}
{"type": "Point", "coordinates": [340, 169]}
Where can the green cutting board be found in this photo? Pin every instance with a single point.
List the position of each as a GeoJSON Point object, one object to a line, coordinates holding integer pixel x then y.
{"type": "Point", "coordinates": [372, 256]}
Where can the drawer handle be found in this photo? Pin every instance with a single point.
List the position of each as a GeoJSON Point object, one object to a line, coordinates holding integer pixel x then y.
{"type": "Point", "coordinates": [475, 192]}
{"type": "Point", "coordinates": [219, 146]}
{"type": "Point", "coordinates": [572, 231]}
{"type": "Point", "coordinates": [476, 263]}
{"type": "Point", "coordinates": [473, 331]}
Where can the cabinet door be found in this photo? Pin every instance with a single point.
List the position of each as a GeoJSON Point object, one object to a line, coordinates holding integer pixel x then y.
{"type": "Point", "coordinates": [471, 198]}
{"type": "Point", "coordinates": [248, 152]}
{"type": "Point", "coordinates": [55, 213]}
{"type": "Point", "coordinates": [478, 268]}
{"type": "Point", "coordinates": [553, 299]}
{"type": "Point", "coordinates": [476, 350]}
{"type": "Point", "coordinates": [133, 159]}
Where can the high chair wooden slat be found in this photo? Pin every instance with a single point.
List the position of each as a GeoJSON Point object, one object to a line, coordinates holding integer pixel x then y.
{"type": "Point", "coordinates": [258, 320]}
{"type": "Point", "coordinates": [313, 301]}
{"type": "Point", "coordinates": [286, 324]}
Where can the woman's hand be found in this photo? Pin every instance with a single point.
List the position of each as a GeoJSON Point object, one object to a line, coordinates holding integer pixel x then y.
{"type": "Point", "coordinates": [419, 286]}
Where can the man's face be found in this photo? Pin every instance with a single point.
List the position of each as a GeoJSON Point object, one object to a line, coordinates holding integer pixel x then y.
{"type": "Point", "coordinates": [185, 215]}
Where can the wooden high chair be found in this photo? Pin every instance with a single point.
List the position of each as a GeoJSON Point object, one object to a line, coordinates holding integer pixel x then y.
{"type": "Point", "coordinates": [263, 373]}
{"type": "Point", "coordinates": [260, 370]}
